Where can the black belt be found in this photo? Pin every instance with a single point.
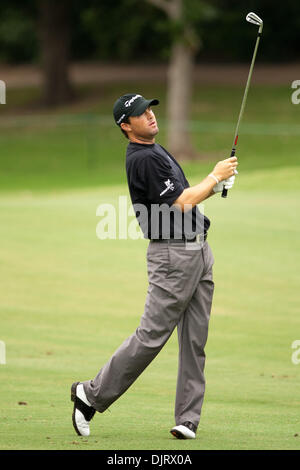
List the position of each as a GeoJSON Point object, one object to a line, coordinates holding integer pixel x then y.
{"type": "Point", "coordinates": [198, 238]}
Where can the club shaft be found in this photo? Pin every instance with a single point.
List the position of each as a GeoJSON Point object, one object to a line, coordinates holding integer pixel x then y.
{"type": "Point", "coordinates": [224, 192]}
{"type": "Point", "coordinates": [246, 90]}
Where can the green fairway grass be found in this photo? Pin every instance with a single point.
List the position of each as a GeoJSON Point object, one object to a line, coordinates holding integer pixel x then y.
{"type": "Point", "coordinates": [80, 146]}
{"type": "Point", "coordinates": [68, 299]}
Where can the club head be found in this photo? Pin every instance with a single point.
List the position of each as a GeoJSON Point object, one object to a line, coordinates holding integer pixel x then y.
{"type": "Point", "coordinates": [253, 18]}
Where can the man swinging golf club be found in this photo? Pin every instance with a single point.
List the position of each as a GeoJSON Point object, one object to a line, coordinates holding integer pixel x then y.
{"type": "Point", "coordinates": [179, 262]}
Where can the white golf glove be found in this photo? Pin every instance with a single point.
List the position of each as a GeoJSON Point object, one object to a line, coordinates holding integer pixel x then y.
{"type": "Point", "coordinates": [218, 188]}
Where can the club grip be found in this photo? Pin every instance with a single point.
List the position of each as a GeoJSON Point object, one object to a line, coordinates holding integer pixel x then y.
{"type": "Point", "coordinates": [225, 191]}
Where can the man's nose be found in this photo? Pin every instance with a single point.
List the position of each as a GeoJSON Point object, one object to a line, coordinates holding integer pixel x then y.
{"type": "Point", "coordinates": [149, 113]}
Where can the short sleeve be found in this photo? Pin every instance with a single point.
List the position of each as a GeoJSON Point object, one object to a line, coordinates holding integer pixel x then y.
{"type": "Point", "coordinates": [162, 186]}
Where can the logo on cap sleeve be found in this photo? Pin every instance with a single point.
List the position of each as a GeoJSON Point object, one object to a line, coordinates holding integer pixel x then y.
{"type": "Point", "coordinates": [170, 186]}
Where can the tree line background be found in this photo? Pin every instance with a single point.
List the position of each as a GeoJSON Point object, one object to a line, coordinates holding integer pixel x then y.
{"type": "Point", "coordinates": [180, 33]}
{"type": "Point", "coordinates": [136, 31]}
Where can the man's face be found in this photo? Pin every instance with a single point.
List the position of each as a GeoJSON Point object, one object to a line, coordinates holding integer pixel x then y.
{"type": "Point", "coordinates": [143, 127]}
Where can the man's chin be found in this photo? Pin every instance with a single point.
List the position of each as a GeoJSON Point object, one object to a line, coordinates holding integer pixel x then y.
{"type": "Point", "coordinates": [151, 133]}
{"type": "Point", "coordinates": [155, 131]}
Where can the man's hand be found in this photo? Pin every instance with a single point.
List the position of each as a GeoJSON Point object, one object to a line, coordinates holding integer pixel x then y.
{"type": "Point", "coordinates": [225, 168]}
{"type": "Point", "coordinates": [218, 188]}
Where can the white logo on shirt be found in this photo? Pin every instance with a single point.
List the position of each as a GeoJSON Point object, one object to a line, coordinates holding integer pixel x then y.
{"type": "Point", "coordinates": [169, 186]}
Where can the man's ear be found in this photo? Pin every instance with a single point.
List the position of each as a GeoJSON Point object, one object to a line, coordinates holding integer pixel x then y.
{"type": "Point", "coordinates": [126, 126]}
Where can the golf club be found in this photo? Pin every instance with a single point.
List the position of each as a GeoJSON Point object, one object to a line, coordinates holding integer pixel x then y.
{"type": "Point", "coordinates": [251, 18]}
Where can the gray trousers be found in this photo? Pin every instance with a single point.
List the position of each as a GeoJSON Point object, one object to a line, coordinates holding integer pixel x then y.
{"type": "Point", "coordinates": [179, 294]}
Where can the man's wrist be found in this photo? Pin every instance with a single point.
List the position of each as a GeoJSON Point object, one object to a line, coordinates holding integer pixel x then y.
{"type": "Point", "coordinates": [214, 177]}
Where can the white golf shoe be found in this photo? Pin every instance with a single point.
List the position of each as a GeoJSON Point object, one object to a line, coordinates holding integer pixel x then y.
{"type": "Point", "coordinates": [186, 430]}
{"type": "Point", "coordinates": [83, 411]}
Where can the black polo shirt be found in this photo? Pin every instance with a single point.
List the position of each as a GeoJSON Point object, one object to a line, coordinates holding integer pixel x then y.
{"type": "Point", "coordinates": [155, 181]}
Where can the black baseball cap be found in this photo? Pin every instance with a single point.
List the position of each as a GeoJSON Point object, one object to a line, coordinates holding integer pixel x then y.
{"type": "Point", "coordinates": [131, 104]}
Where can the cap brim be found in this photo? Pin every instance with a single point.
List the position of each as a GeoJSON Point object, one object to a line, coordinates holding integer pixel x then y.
{"type": "Point", "coordinates": [143, 106]}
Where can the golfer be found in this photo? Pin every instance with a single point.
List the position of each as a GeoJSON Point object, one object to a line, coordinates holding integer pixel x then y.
{"type": "Point", "coordinates": [179, 262]}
